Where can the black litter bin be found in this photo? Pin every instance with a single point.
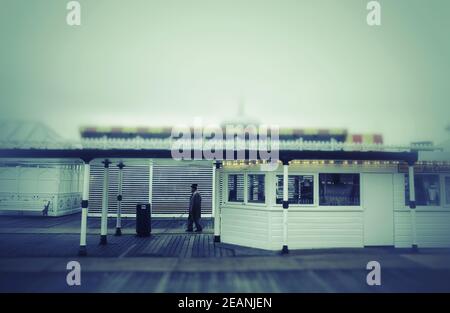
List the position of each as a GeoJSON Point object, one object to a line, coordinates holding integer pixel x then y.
{"type": "Point", "coordinates": [143, 219]}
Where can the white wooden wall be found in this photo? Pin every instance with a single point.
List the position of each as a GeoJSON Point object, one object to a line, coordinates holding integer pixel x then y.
{"type": "Point", "coordinates": [26, 189]}
{"type": "Point", "coordinates": [246, 227]}
{"type": "Point", "coordinates": [325, 229]}
{"type": "Point", "coordinates": [433, 223]}
{"type": "Point", "coordinates": [260, 226]}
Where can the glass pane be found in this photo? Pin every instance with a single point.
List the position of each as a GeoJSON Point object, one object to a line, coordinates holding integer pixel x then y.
{"type": "Point", "coordinates": [236, 188]}
{"type": "Point", "coordinates": [447, 190]}
{"type": "Point", "coordinates": [339, 189]}
{"type": "Point", "coordinates": [256, 188]}
{"type": "Point", "coordinates": [427, 189]}
{"type": "Point", "coordinates": [406, 189]}
{"type": "Point", "coordinates": [300, 189]}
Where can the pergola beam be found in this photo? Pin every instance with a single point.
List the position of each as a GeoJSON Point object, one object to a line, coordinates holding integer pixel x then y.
{"type": "Point", "coordinates": [284, 155]}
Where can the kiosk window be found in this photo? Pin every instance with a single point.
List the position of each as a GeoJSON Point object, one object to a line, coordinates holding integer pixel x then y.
{"type": "Point", "coordinates": [427, 189]}
{"type": "Point", "coordinates": [300, 189]}
{"type": "Point", "coordinates": [236, 188]}
{"type": "Point", "coordinates": [256, 189]}
{"type": "Point", "coordinates": [339, 189]}
{"type": "Point", "coordinates": [447, 190]}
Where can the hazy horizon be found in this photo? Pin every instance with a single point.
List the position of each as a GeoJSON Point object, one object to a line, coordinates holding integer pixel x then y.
{"type": "Point", "coordinates": [295, 63]}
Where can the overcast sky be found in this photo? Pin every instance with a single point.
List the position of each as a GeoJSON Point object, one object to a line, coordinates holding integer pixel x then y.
{"type": "Point", "coordinates": [302, 63]}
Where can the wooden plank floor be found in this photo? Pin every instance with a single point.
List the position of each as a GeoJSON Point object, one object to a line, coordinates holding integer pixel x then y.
{"type": "Point", "coordinates": [28, 237]}
{"type": "Point", "coordinates": [158, 245]}
{"type": "Point", "coordinates": [182, 246]}
{"type": "Point", "coordinates": [71, 223]}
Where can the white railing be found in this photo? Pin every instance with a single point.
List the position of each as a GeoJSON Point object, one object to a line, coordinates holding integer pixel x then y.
{"type": "Point", "coordinates": [139, 143]}
{"type": "Point", "coordinates": [294, 145]}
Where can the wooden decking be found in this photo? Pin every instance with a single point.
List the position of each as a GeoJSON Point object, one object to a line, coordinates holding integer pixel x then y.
{"type": "Point", "coordinates": [184, 246]}
{"type": "Point", "coordinates": [34, 253]}
{"type": "Point", "coordinates": [155, 246]}
{"type": "Point", "coordinates": [71, 225]}
{"type": "Point", "coordinates": [168, 238]}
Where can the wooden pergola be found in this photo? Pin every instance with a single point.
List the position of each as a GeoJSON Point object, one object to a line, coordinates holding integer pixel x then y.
{"type": "Point", "coordinates": [285, 156]}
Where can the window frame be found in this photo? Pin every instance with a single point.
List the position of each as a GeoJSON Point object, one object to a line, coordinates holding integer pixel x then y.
{"type": "Point", "coordinates": [360, 191]}
{"type": "Point", "coordinates": [228, 190]}
{"type": "Point", "coordinates": [441, 190]}
{"type": "Point", "coordinates": [315, 189]}
{"type": "Point", "coordinates": [445, 203]}
{"type": "Point", "coordinates": [247, 185]}
{"type": "Point", "coordinates": [245, 202]}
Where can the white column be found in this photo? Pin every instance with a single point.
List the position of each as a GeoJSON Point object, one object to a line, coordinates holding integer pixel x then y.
{"type": "Point", "coordinates": [412, 205]}
{"type": "Point", "coordinates": [213, 192]}
{"type": "Point", "coordinates": [285, 207]}
{"type": "Point", "coordinates": [215, 202]}
{"type": "Point", "coordinates": [119, 199]}
{"type": "Point", "coordinates": [104, 221]}
{"type": "Point", "coordinates": [150, 184]}
{"type": "Point", "coordinates": [84, 209]}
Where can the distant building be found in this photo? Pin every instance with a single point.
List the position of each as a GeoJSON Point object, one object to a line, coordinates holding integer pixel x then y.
{"type": "Point", "coordinates": [331, 188]}
{"type": "Point", "coordinates": [37, 186]}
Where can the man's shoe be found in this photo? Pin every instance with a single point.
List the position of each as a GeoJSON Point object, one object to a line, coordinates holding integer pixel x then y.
{"type": "Point", "coordinates": [189, 230]}
{"type": "Point", "coordinates": [198, 230]}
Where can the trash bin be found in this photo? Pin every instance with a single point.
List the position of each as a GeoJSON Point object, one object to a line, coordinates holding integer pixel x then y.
{"type": "Point", "coordinates": [143, 219]}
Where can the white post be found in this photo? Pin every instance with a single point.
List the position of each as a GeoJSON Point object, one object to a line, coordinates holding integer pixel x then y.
{"type": "Point", "coordinates": [213, 192]}
{"type": "Point", "coordinates": [84, 209]}
{"type": "Point", "coordinates": [150, 184]}
{"type": "Point", "coordinates": [412, 206]}
{"type": "Point", "coordinates": [216, 205]}
{"type": "Point", "coordinates": [119, 200]}
{"type": "Point", "coordinates": [104, 221]}
{"type": "Point", "coordinates": [285, 249]}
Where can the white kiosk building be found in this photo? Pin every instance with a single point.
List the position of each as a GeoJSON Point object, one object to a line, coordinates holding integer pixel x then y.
{"type": "Point", "coordinates": [322, 194]}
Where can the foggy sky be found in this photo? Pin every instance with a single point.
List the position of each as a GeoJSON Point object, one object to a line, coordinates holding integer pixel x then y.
{"type": "Point", "coordinates": [302, 63]}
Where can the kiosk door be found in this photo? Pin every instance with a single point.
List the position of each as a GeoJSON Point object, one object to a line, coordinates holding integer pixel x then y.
{"type": "Point", "coordinates": [378, 209]}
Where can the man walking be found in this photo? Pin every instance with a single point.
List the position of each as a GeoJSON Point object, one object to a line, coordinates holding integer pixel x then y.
{"type": "Point", "coordinates": [195, 210]}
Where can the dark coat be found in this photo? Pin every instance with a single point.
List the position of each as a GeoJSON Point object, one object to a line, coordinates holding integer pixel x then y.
{"type": "Point", "coordinates": [195, 204]}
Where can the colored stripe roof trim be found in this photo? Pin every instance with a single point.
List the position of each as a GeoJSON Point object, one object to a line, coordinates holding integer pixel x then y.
{"type": "Point", "coordinates": [159, 130]}
{"type": "Point", "coordinates": [365, 138]}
